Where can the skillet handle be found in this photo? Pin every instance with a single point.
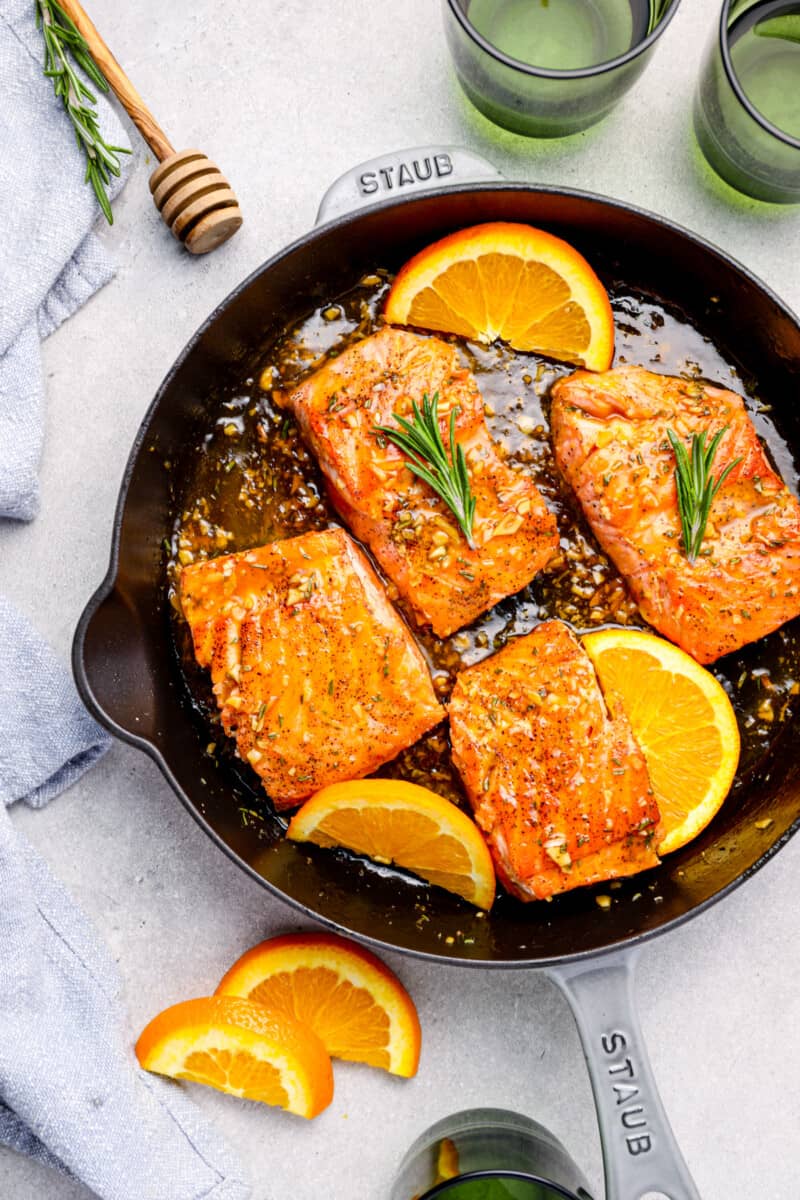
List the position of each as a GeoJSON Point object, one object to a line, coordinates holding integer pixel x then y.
{"type": "Point", "coordinates": [640, 1154]}
{"type": "Point", "coordinates": [404, 172]}
{"type": "Point", "coordinates": [113, 667]}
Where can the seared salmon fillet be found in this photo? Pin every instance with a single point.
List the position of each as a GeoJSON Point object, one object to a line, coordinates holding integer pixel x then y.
{"type": "Point", "coordinates": [411, 532]}
{"type": "Point", "coordinates": [610, 440]}
{"type": "Point", "coordinates": [557, 782]}
{"type": "Point", "coordinates": [315, 674]}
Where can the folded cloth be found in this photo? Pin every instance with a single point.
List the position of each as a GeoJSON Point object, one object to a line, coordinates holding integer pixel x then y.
{"type": "Point", "coordinates": [71, 1093]}
{"type": "Point", "coordinates": [51, 262]}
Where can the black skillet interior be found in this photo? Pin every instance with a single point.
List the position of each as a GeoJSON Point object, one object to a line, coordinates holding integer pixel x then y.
{"type": "Point", "coordinates": [124, 660]}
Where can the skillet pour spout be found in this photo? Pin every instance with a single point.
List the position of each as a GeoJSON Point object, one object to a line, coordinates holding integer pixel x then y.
{"type": "Point", "coordinates": [129, 675]}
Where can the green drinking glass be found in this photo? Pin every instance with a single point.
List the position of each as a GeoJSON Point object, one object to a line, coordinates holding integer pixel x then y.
{"type": "Point", "coordinates": [548, 68]}
{"type": "Point", "coordinates": [488, 1154]}
{"type": "Point", "coordinates": [747, 104]}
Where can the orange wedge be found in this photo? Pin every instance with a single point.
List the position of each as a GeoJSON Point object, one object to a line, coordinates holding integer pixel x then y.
{"type": "Point", "coordinates": [508, 281]}
{"type": "Point", "coordinates": [401, 823]}
{"type": "Point", "coordinates": [357, 1007]}
{"type": "Point", "coordinates": [243, 1049]}
{"type": "Point", "coordinates": [682, 719]}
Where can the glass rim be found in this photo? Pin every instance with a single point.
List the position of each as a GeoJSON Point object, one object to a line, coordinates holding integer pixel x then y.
{"type": "Point", "coordinates": [741, 95]}
{"type": "Point", "coordinates": [516, 64]}
{"type": "Point", "coordinates": [441, 1189]}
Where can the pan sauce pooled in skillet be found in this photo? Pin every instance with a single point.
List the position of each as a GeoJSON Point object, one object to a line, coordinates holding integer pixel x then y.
{"type": "Point", "coordinates": [610, 436]}
{"type": "Point", "coordinates": [559, 786]}
{"type": "Point", "coordinates": [249, 479]}
{"type": "Point", "coordinates": [411, 532]}
{"type": "Point", "coordinates": [315, 675]}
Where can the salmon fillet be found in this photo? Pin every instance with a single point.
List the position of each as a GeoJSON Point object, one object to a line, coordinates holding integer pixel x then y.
{"type": "Point", "coordinates": [411, 532]}
{"type": "Point", "coordinates": [315, 674]}
{"type": "Point", "coordinates": [610, 440]}
{"type": "Point", "coordinates": [557, 782]}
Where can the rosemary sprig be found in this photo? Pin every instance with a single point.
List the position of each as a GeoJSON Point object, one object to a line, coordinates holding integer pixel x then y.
{"type": "Point", "coordinates": [696, 485]}
{"type": "Point", "coordinates": [62, 39]}
{"type": "Point", "coordinates": [421, 440]}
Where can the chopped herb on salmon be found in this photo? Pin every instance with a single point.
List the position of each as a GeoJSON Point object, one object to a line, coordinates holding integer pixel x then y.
{"type": "Point", "coordinates": [745, 580]}
{"type": "Point", "coordinates": [409, 528]}
{"type": "Point", "coordinates": [319, 683]}
{"type": "Point", "coordinates": [559, 786]}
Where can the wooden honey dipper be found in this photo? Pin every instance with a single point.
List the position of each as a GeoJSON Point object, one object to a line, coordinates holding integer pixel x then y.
{"type": "Point", "coordinates": [192, 195]}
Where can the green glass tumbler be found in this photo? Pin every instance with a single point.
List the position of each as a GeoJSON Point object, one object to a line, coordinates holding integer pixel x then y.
{"type": "Point", "coordinates": [488, 1154]}
{"type": "Point", "coordinates": [748, 150]}
{"type": "Point", "coordinates": [548, 68]}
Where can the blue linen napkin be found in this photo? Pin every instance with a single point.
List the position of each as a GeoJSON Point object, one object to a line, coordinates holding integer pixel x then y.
{"type": "Point", "coordinates": [51, 262]}
{"type": "Point", "coordinates": [71, 1093]}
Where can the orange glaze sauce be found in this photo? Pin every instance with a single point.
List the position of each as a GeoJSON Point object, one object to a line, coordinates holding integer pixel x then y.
{"type": "Point", "coordinates": [248, 480]}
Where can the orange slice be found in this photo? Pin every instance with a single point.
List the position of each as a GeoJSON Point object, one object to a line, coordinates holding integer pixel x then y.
{"type": "Point", "coordinates": [396, 822]}
{"type": "Point", "coordinates": [447, 1165]}
{"type": "Point", "coordinates": [243, 1049]}
{"type": "Point", "coordinates": [357, 1007]}
{"type": "Point", "coordinates": [682, 719]}
{"type": "Point", "coordinates": [508, 281]}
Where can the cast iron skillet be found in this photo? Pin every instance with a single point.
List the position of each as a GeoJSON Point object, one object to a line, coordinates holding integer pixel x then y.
{"type": "Point", "coordinates": [127, 673]}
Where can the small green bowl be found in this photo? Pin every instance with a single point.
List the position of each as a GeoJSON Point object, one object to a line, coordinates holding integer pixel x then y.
{"type": "Point", "coordinates": [743, 147]}
{"type": "Point", "coordinates": [542, 101]}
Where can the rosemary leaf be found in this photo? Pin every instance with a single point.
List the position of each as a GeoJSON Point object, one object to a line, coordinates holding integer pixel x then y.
{"type": "Point", "coordinates": [63, 46]}
{"type": "Point", "coordinates": [695, 485]}
{"type": "Point", "coordinates": [421, 440]}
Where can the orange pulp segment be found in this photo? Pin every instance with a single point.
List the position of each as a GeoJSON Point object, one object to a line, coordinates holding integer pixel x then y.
{"type": "Point", "coordinates": [509, 281]}
{"type": "Point", "coordinates": [392, 821]}
{"type": "Point", "coordinates": [682, 719]}
{"type": "Point", "coordinates": [353, 1002]}
{"type": "Point", "coordinates": [240, 1048]}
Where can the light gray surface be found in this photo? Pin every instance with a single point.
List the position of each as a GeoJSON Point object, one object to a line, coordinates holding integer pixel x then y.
{"type": "Point", "coordinates": [286, 95]}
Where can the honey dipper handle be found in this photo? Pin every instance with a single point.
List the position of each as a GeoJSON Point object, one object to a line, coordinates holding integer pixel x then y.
{"type": "Point", "coordinates": [124, 90]}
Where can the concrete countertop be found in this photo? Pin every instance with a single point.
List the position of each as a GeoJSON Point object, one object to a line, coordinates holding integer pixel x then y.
{"type": "Point", "coordinates": [286, 95]}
